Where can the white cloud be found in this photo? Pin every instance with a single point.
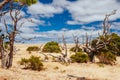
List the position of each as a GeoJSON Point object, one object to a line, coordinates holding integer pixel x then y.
{"type": "Point", "coordinates": [44, 10]}
{"type": "Point", "coordinates": [80, 10]}
{"type": "Point", "coordinates": [29, 24]}
{"type": "Point", "coordinates": [73, 22]}
{"type": "Point", "coordinates": [92, 10]}
{"type": "Point", "coordinates": [88, 28]}
{"type": "Point", "coordinates": [115, 26]}
{"type": "Point", "coordinates": [28, 28]}
{"type": "Point", "coordinates": [9, 20]}
{"type": "Point", "coordinates": [55, 35]}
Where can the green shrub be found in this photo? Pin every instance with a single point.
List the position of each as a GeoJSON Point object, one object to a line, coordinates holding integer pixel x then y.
{"type": "Point", "coordinates": [74, 49]}
{"type": "Point", "coordinates": [51, 47]}
{"type": "Point", "coordinates": [79, 57]}
{"type": "Point", "coordinates": [107, 57]}
{"type": "Point", "coordinates": [32, 48]}
{"type": "Point", "coordinates": [114, 44]}
{"type": "Point", "coordinates": [24, 62]}
{"type": "Point", "coordinates": [33, 63]}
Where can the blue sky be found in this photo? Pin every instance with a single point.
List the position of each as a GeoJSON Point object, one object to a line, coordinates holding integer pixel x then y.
{"type": "Point", "coordinates": [52, 18]}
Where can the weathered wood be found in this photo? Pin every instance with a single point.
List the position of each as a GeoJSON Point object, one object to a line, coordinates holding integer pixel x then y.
{"type": "Point", "coordinates": [76, 41]}
{"type": "Point", "coordinates": [45, 56]}
{"type": "Point", "coordinates": [7, 57]}
{"type": "Point", "coordinates": [70, 77]}
{"type": "Point", "coordinates": [92, 50]}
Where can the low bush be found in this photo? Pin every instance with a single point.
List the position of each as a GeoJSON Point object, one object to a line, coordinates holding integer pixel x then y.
{"type": "Point", "coordinates": [107, 57]}
{"type": "Point", "coordinates": [51, 47]}
{"type": "Point", "coordinates": [32, 48]}
{"type": "Point", "coordinates": [79, 57]}
{"type": "Point", "coordinates": [24, 61]}
{"type": "Point", "coordinates": [33, 63]}
{"type": "Point", "coordinates": [76, 49]}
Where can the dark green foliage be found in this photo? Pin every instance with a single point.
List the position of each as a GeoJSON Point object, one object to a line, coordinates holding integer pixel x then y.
{"type": "Point", "coordinates": [51, 47]}
{"type": "Point", "coordinates": [113, 46]}
{"type": "Point", "coordinates": [24, 61]}
{"type": "Point", "coordinates": [27, 2]}
{"type": "Point", "coordinates": [107, 57]}
{"type": "Point", "coordinates": [74, 49]}
{"type": "Point", "coordinates": [33, 63]}
{"type": "Point", "coordinates": [102, 40]}
{"type": "Point", "coordinates": [108, 53]}
{"type": "Point", "coordinates": [32, 48]}
{"type": "Point", "coordinates": [79, 57]}
{"type": "Point", "coordinates": [30, 2]}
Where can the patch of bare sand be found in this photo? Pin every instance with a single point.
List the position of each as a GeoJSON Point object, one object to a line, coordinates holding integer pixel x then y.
{"type": "Point", "coordinates": [57, 71]}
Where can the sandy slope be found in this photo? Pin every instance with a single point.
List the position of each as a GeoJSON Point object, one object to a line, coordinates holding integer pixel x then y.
{"type": "Point", "coordinates": [92, 71]}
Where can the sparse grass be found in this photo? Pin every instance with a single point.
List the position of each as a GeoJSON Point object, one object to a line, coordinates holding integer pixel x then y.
{"type": "Point", "coordinates": [107, 57]}
{"type": "Point", "coordinates": [51, 47]}
{"type": "Point", "coordinates": [33, 63]}
{"type": "Point", "coordinates": [63, 71]}
{"type": "Point", "coordinates": [74, 49]}
{"type": "Point", "coordinates": [79, 57]}
{"type": "Point", "coordinates": [101, 65]}
{"type": "Point", "coordinates": [56, 68]}
{"type": "Point", "coordinates": [32, 48]}
{"type": "Point", "coordinates": [91, 71]}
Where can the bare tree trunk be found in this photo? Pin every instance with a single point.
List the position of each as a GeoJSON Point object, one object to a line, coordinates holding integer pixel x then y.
{"type": "Point", "coordinates": [65, 46]}
{"type": "Point", "coordinates": [93, 50]}
{"type": "Point", "coordinates": [4, 56]}
{"type": "Point", "coordinates": [0, 46]}
{"type": "Point", "coordinates": [11, 38]}
{"type": "Point", "coordinates": [7, 57]}
{"type": "Point", "coordinates": [2, 52]}
{"type": "Point", "coordinates": [92, 57]}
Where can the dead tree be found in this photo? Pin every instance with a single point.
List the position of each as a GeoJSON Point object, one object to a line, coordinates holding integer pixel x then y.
{"type": "Point", "coordinates": [58, 58]}
{"type": "Point", "coordinates": [93, 50]}
{"type": "Point", "coordinates": [45, 56]}
{"type": "Point", "coordinates": [11, 32]}
{"type": "Point", "coordinates": [7, 58]}
{"type": "Point", "coordinates": [11, 29]}
{"type": "Point", "coordinates": [22, 2]}
{"type": "Point", "coordinates": [76, 77]}
{"type": "Point", "coordinates": [64, 46]}
{"type": "Point", "coordinates": [77, 45]}
{"type": "Point", "coordinates": [71, 77]}
{"type": "Point", "coordinates": [106, 24]}
{"type": "Point", "coordinates": [63, 57]}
